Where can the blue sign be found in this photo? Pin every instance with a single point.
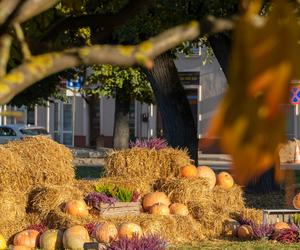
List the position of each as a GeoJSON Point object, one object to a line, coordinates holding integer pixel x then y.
{"type": "Point", "coordinates": [75, 84]}
{"type": "Point", "coordinates": [295, 95]}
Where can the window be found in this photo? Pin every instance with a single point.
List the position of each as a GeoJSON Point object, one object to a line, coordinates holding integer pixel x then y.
{"type": "Point", "coordinates": [4, 131]}
{"type": "Point", "coordinates": [34, 131]}
{"type": "Point", "coordinates": [31, 117]}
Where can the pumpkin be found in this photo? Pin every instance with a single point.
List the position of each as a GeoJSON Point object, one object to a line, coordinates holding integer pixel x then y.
{"type": "Point", "coordinates": [20, 248]}
{"type": "Point", "coordinates": [208, 174]}
{"type": "Point", "coordinates": [106, 232]}
{"type": "Point", "coordinates": [245, 232]}
{"type": "Point", "coordinates": [179, 209]}
{"type": "Point", "coordinates": [230, 227]}
{"type": "Point", "coordinates": [280, 225]}
{"type": "Point", "coordinates": [188, 171]}
{"type": "Point", "coordinates": [159, 209]}
{"type": "Point", "coordinates": [225, 180]}
{"type": "Point", "coordinates": [51, 240]}
{"type": "Point", "coordinates": [75, 237]}
{"type": "Point", "coordinates": [27, 238]}
{"type": "Point", "coordinates": [77, 208]}
{"type": "Point", "coordinates": [155, 198]}
{"type": "Point", "coordinates": [129, 230]}
{"type": "Point", "coordinates": [2, 242]}
{"type": "Point", "coordinates": [296, 201]}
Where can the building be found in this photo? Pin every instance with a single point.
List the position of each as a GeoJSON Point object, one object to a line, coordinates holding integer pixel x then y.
{"type": "Point", "coordinates": [69, 122]}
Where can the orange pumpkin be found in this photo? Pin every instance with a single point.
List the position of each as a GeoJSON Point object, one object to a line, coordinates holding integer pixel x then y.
{"type": "Point", "coordinates": [77, 208]}
{"type": "Point", "coordinates": [106, 232]}
{"type": "Point", "coordinates": [51, 240]}
{"type": "Point", "coordinates": [208, 174]}
{"type": "Point", "coordinates": [296, 201]}
{"type": "Point", "coordinates": [129, 230]}
{"type": "Point", "coordinates": [188, 171]}
{"type": "Point", "coordinates": [245, 232]}
{"type": "Point", "coordinates": [20, 248]}
{"type": "Point", "coordinates": [280, 225]}
{"type": "Point", "coordinates": [225, 180]}
{"type": "Point", "coordinates": [155, 198]}
{"type": "Point", "coordinates": [27, 238]}
{"type": "Point", "coordinates": [159, 209]}
{"type": "Point", "coordinates": [179, 209]}
{"type": "Point", "coordinates": [75, 237]}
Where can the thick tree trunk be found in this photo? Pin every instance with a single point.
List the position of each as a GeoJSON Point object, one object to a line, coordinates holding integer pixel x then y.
{"type": "Point", "coordinates": [121, 125]}
{"type": "Point", "coordinates": [177, 118]}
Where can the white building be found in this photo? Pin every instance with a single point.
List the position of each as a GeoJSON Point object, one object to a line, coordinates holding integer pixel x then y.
{"type": "Point", "coordinates": [204, 84]}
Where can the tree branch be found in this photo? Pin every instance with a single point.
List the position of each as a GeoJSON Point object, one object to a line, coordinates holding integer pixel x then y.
{"type": "Point", "coordinates": [24, 46]}
{"type": "Point", "coordinates": [5, 43]}
{"type": "Point", "coordinates": [108, 23]}
{"type": "Point", "coordinates": [44, 65]}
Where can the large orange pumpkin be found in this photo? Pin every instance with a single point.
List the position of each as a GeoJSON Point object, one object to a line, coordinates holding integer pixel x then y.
{"type": "Point", "coordinates": [77, 208]}
{"type": "Point", "coordinates": [208, 174]}
{"type": "Point", "coordinates": [159, 209]}
{"type": "Point", "coordinates": [179, 209]}
{"type": "Point", "coordinates": [106, 232]}
{"type": "Point", "coordinates": [51, 240]}
{"type": "Point", "coordinates": [245, 232]}
{"type": "Point", "coordinates": [296, 201]}
{"type": "Point", "coordinates": [129, 230]}
{"type": "Point", "coordinates": [155, 198]}
{"type": "Point", "coordinates": [225, 180]}
{"type": "Point", "coordinates": [75, 237]}
{"type": "Point", "coordinates": [188, 171]}
{"type": "Point", "coordinates": [27, 238]}
{"type": "Point", "coordinates": [280, 226]}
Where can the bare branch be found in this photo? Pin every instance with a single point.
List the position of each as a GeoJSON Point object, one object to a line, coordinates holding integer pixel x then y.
{"type": "Point", "coordinates": [24, 46]}
{"type": "Point", "coordinates": [5, 43]}
{"type": "Point", "coordinates": [44, 65]}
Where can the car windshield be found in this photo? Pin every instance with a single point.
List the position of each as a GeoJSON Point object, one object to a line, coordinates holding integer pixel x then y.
{"type": "Point", "coordinates": [34, 131]}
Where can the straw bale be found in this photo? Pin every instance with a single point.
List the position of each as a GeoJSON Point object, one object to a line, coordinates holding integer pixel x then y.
{"type": "Point", "coordinates": [12, 206]}
{"type": "Point", "coordinates": [46, 198]}
{"type": "Point", "coordinates": [140, 185]}
{"type": "Point", "coordinates": [146, 163]}
{"type": "Point", "coordinates": [255, 215]}
{"type": "Point", "coordinates": [11, 171]}
{"type": "Point", "coordinates": [46, 161]}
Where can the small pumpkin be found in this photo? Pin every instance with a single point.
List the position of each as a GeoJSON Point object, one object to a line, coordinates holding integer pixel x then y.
{"type": "Point", "coordinates": [76, 208]}
{"type": "Point", "coordinates": [296, 201]}
{"type": "Point", "coordinates": [245, 232]}
{"type": "Point", "coordinates": [51, 240]}
{"type": "Point", "coordinates": [75, 237]}
{"type": "Point", "coordinates": [208, 174]}
{"type": "Point", "coordinates": [280, 226]}
{"type": "Point", "coordinates": [188, 171]}
{"type": "Point", "coordinates": [153, 198]}
{"type": "Point", "coordinates": [27, 238]}
{"type": "Point", "coordinates": [179, 209]}
{"type": "Point", "coordinates": [225, 180]}
{"type": "Point", "coordinates": [106, 232]}
{"type": "Point", "coordinates": [159, 209]}
{"type": "Point", "coordinates": [129, 230]}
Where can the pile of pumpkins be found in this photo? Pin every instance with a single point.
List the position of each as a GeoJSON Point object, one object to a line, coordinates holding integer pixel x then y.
{"type": "Point", "coordinates": [73, 238]}
{"type": "Point", "coordinates": [223, 179]}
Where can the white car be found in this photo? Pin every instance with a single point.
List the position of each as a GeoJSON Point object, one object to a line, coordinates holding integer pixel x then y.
{"type": "Point", "coordinates": [17, 132]}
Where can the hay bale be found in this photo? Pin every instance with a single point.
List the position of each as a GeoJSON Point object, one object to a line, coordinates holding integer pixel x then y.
{"type": "Point", "coordinates": [46, 198]}
{"type": "Point", "coordinates": [255, 215]}
{"type": "Point", "coordinates": [146, 163]}
{"type": "Point", "coordinates": [46, 161]}
{"type": "Point", "coordinates": [11, 171]}
{"type": "Point", "coordinates": [12, 206]}
{"type": "Point", "coordinates": [133, 184]}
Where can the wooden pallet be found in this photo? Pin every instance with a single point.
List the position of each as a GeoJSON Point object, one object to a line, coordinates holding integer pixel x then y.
{"type": "Point", "coordinates": [275, 215]}
{"type": "Point", "coordinates": [118, 209]}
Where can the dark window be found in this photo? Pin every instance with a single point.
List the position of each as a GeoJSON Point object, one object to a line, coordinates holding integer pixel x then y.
{"type": "Point", "coordinates": [7, 132]}
{"type": "Point", "coordinates": [34, 131]}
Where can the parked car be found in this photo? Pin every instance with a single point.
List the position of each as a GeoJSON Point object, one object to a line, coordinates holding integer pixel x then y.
{"type": "Point", "coordinates": [17, 132]}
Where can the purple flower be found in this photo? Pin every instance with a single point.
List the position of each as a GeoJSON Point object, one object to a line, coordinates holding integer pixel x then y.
{"type": "Point", "coordinates": [152, 143]}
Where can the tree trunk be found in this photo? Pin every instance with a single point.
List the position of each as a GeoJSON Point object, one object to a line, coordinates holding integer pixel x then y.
{"type": "Point", "coordinates": [121, 125]}
{"type": "Point", "coordinates": [94, 126]}
{"type": "Point", "coordinates": [177, 118]}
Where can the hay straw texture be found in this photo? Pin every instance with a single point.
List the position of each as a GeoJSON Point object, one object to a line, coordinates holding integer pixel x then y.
{"type": "Point", "coordinates": [175, 229]}
{"type": "Point", "coordinates": [46, 198]}
{"type": "Point", "coordinates": [140, 185]}
{"type": "Point", "coordinates": [11, 171]}
{"type": "Point", "coordinates": [46, 161]}
{"type": "Point", "coordinates": [146, 163]}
